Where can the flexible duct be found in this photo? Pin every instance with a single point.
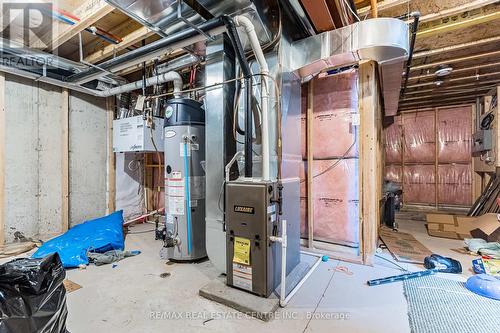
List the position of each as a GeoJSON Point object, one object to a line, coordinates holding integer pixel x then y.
{"type": "Point", "coordinates": [242, 21]}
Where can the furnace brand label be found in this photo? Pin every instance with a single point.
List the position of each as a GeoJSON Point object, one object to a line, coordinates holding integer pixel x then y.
{"type": "Point", "coordinates": [244, 209]}
{"type": "Point", "coordinates": [242, 276]}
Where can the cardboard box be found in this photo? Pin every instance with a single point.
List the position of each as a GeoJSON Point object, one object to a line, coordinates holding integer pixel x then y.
{"type": "Point", "coordinates": [487, 227]}
{"type": "Point", "coordinates": [441, 218]}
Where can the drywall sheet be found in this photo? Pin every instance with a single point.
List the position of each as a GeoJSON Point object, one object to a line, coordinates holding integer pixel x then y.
{"type": "Point", "coordinates": [394, 141]}
{"type": "Point", "coordinates": [454, 130]}
{"type": "Point", "coordinates": [419, 137]}
{"type": "Point", "coordinates": [419, 184]}
{"type": "Point", "coordinates": [455, 184]}
{"type": "Point", "coordinates": [88, 151]}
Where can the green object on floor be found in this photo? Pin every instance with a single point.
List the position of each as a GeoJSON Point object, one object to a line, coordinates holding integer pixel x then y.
{"type": "Point", "coordinates": [109, 257]}
{"type": "Point", "coordinates": [447, 306]}
{"type": "Point", "coordinates": [480, 246]}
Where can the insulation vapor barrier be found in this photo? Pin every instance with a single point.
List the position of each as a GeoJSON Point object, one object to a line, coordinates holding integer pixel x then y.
{"type": "Point", "coordinates": [394, 173]}
{"type": "Point", "coordinates": [420, 184]}
{"type": "Point", "coordinates": [335, 165]}
{"type": "Point", "coordinates": [455, 184]}
{"type": "Point", "coordinates": [394, 141]}
{"type": "Point", "coordinates": [417, 133]}
{"type": "Point", "coordinates": [419, 137]}
{"type": "Point", "coordinates": [454, 135]}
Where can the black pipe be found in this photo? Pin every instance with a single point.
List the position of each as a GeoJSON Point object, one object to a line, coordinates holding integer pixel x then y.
{"type": "Point", "coordinates": [188, 32]}
{"type": "Point", "coordinates": [414, 28]}
{"type": "Point", "coordinates": [247, 74]}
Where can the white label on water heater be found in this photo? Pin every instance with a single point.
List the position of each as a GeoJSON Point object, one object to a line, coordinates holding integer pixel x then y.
{"type": "Point", "coordinates": [242, 276]}
{"type": "Point", "coordinates": [176, 194]}
{"type": "Point", "coordinates": [176, 205]}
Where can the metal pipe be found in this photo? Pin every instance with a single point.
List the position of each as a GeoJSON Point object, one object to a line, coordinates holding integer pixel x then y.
{"type": "Point", "coordinates": [416, 17]}
{"type": "Point", "coordinates": [181, 39]}
{"type": "Point", "coordinates": [243, 21]}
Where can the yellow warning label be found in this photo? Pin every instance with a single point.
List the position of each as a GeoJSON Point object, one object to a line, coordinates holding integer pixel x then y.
{"type": "Point", "coordinates": [241, 251]}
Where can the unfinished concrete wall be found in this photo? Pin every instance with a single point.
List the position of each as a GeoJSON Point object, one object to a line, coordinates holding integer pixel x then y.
{"type": "Point", "coordinates": [34, 153]}
{"type": "Point", "coordinates": [49, 159]}
{"type": "Point", "coordinates": [88, 152]}
{"type": "Point", "coordinates": [21, 157]}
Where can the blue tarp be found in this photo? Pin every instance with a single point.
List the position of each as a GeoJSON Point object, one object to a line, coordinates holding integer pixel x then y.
{"type": "Point", "coordinates": [99, 235]}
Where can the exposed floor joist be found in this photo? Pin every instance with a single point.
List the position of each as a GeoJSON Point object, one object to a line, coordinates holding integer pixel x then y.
{"type": "Point", "coordinates": [89, 13]}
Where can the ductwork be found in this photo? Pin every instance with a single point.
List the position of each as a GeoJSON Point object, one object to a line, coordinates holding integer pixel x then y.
{"type": "Point", "coordinates": [384, 40]}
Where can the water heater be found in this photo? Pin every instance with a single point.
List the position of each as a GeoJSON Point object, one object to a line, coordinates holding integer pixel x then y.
{"type": "Point", "coordinates": [184, 135]}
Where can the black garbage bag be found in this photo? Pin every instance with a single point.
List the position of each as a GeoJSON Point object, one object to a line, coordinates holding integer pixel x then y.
{"type": "Point", "coordinates": [32, 296]}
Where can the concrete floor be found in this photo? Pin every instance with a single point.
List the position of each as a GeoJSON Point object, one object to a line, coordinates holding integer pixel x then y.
{"type": "Point", "coordinates": [132, 297]}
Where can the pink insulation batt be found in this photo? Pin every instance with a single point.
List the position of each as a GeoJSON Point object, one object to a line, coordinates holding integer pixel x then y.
{"type": "Point", "coordinates": [336, 201]}
{"type": "Point", "coordinates": [335, 100]}
{"type": "Point", "coordinates": [419, 137]}
{"type": "Point", "coordinates": [394, 173]}
{"type": "Point", "coordinates": [454, 134]}
{"type": "Point", "coordinates": [336, 191]}
{"type": "Point", "coordinates": [419, 184]}
{"type": "Point", "coordinates": [394, 141]}
{"type": "Point", "coordinates": [455, 184]}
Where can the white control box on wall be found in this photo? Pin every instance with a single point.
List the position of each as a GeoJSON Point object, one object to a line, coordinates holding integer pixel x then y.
{"type": "Point", "coordinates": [134, 134]}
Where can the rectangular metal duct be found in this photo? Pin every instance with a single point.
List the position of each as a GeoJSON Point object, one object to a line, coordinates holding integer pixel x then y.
{"type": "Point", "coordinates": [163, 16]}
{"type": "Point", "coordinates": [384, 40]}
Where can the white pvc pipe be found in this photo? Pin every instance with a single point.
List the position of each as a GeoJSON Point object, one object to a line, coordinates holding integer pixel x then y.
{"type": "Point", "coordinates": [284, 298]}
{"type": "Point", "coordinates": [152, 81]}
{"type": "Point", "coordinates": [301, 282]}
{"type": "Point", "coordinates": [243, 21]}
{"type": "Point", "coordinates": [163, 78]}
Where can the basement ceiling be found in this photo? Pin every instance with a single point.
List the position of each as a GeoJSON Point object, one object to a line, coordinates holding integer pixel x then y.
{"type": "Point", "coordinates": [463, 34]}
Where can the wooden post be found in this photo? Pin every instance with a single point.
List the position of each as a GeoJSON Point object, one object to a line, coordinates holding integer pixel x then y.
{"type": "Point", "coordinates": [310, 157]}
{"type": "Point", "coordinates": [436, 159]}
{"type": "Point", "coordinates": [2, 158]}
{"type": "Point", "coordinates": [111, 164]}
{"type": "Point", "coordinates": [373, 8]}
{"type": "Point", "coordinates": [370, 158]}
{"type": "Point", "coordinates": [65, 160]}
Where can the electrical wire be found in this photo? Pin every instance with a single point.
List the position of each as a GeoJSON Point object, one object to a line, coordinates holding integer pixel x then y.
{"type": "Point", "coordinates": [350, 9]}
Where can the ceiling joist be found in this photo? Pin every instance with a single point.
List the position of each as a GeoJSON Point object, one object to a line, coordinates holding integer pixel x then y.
{"type": "Point", "coordinates": [89, 13]}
